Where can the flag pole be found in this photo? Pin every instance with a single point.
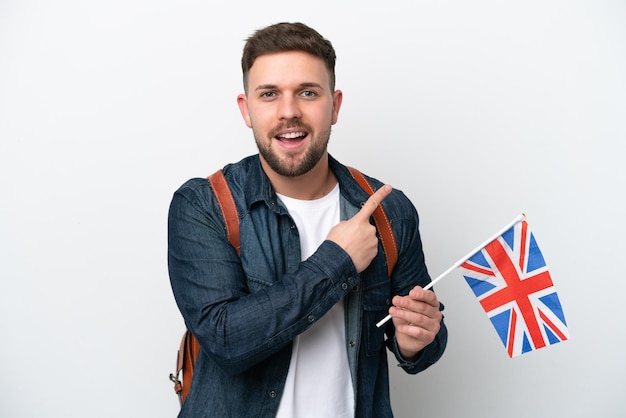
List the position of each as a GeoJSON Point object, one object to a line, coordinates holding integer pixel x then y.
{"type": "Point", "coordinates": [519, 218]}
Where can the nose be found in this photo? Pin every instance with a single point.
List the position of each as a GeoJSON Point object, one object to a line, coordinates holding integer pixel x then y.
{"type": "Point", "coordinates": [288, 108]}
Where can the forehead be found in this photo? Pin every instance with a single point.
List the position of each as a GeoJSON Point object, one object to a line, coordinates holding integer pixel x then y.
{"type": "Point", "coordinates": [287, 68]}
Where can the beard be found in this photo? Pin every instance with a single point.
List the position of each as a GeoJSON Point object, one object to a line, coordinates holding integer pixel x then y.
{"type": "Point", "coordinates": [294, 163]}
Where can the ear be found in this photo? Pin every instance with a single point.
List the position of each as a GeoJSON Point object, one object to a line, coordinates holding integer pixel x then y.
{"type": "Point", "coordinates": [242, 102]}
{"type": "Point", "coordinates": [337, 99]}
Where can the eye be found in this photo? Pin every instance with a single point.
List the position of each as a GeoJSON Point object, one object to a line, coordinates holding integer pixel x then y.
{"type": "Point", "coordinates": [268, 94]}
{"type": "Point", "coordinates": [309, 93]}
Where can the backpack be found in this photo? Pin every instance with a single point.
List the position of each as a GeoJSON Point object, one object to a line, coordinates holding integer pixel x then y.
{"type": "Point", "coordinates": [189, 346]}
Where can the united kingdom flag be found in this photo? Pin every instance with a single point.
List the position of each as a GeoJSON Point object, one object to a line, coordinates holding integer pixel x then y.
{"type": "Point", "coordinates": [512, 283]}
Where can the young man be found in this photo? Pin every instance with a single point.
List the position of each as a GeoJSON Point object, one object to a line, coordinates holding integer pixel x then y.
{"type": "Point", "coordinates": [288, 328]}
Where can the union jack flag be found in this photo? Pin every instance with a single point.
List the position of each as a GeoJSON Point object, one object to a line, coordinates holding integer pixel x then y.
{"type": "Point", "coordinates": [513, 285]}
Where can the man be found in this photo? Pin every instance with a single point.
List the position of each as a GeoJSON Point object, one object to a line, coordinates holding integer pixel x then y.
{"type": "Point", "coordinates": [288, 329]}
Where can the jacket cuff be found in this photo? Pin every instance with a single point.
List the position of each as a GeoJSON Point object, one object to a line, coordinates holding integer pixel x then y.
{"type": "Point", "coordinates": [423, 361]}
{"type": "Point", "coordinates": [337, 265]}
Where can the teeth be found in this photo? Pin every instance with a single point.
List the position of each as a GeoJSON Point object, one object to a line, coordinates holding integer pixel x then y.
{"type": "Point", "coordinates": [292, 135]}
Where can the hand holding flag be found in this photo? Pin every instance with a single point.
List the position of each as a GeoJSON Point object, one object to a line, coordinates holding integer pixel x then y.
{"type": "Point", "coordinates": [417, 319]}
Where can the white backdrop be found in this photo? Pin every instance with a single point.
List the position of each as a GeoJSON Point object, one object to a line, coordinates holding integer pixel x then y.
{"type": "Point", "coordinates": [477, 110]}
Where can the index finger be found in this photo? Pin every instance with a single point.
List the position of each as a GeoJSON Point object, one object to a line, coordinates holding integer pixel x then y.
{"type": "Point", "coordinates": [424, 295]}
{"type": "Point", "coordinates": [372, 203]}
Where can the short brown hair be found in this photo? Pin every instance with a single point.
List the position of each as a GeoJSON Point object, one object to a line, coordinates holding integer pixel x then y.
{"type": "Point", "coordinates": [282, 37]}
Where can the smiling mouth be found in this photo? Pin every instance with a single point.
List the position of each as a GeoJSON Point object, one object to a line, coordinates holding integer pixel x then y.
{"type": "Point", "coordinates": [292, 136]}
{"type": "Point", "coordinates": [291, 140]}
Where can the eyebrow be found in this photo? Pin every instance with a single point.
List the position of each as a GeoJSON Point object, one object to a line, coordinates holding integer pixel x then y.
{"type": "Point", "coordinates": [302, 85]}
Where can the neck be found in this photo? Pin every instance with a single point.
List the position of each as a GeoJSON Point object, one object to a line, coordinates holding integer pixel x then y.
{"type": "Point", "coordinates": [314, 184]}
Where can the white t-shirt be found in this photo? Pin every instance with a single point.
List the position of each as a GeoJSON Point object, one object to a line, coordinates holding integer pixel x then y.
{"type": "Point", "coordinates": [318, 384]}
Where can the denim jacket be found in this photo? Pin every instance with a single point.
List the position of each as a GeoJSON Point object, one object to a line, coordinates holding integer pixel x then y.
{"type": "Point", "coordinates": [245, 310]}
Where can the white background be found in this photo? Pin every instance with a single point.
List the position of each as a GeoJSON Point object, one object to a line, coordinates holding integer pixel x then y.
{"type": "Point", "coordinates": [477, 110]}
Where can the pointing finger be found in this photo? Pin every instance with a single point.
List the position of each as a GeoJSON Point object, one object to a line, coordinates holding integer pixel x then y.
{"type": "Point", "coordinates": [372, 203]}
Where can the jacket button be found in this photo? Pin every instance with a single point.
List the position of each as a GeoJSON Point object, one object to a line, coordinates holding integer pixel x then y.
{"type": "Point", "coordinates": [351, 344]}
{"type": "Point", "coordinates": [311, 318]}
{"type": "Point", "coordinates": [344, 286]}
{"type": "Point", "coordinates": [272, 393]}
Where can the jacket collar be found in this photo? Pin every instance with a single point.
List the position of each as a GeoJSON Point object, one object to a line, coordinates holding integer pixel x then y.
{"type": "Point", "coordinates": [259, 189]}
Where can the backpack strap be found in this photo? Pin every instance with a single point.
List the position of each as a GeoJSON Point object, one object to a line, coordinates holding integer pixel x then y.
{"type": "Point", "coordinates": [227, 206]}
{"type": "Point", "coordinates": [381, 220]}
{"type": "Point", "coordinates": [231, 218]}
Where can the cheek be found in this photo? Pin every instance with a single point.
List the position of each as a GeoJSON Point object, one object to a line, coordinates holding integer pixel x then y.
{"type": "Point", "coordinates": [330, 118]}
{"type": "Point", "coordinates": [257, 123]}
{"type": "Point", "coordinates": [260, 119]}
{"type": "Point", "coordinates": [319, 116]}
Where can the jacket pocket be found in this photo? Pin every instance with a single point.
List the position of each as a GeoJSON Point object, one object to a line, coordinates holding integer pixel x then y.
{"type": "Point", "coordinates": [376, 301]}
